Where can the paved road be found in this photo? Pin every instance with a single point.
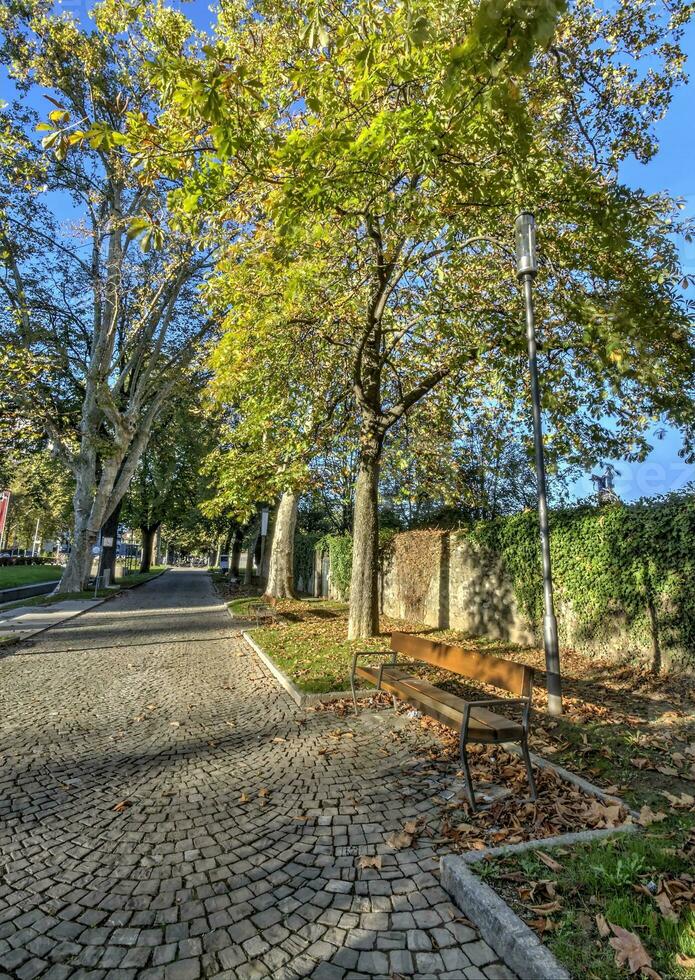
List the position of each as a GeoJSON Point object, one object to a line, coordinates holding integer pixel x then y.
{"type": "Point", "coordinates": [166, 811]}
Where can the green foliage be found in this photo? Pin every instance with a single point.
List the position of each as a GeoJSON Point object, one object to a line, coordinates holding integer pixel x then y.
{"type": "Point", "coordinates": [339, 548]}
{"type": "Point", "coordinates": [609, 564]}
{"type": "Point", "coordinates": [304, 559]}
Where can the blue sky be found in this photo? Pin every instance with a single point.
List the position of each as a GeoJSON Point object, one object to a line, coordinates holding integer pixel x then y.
{"type": "Point", "coordinates": [672, 170]}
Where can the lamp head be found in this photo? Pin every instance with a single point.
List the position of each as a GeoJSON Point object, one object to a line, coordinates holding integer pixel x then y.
{"type": "Point", "coordinates": [526, 255]}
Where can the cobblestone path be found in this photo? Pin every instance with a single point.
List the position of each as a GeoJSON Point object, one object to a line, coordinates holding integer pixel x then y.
{"type": "Point", "coordinates": [166, 811]}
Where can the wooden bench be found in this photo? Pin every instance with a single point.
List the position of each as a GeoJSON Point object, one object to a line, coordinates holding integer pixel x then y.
{"type": "Point", "coordinates": [262, 612]}
{"type": "Point", "coordinates": [473, 719]}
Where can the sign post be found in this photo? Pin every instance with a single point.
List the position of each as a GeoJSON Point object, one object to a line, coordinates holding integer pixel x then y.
{"type": "Point", "coordinates": [4, 507]}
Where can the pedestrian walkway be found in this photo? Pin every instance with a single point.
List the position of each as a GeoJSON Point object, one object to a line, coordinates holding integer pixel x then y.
{"type": "Point", "coordinates": [23, 622]}
{"type": "Point", "coordinates": [166, 811]}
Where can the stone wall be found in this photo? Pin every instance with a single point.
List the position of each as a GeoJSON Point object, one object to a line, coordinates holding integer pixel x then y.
{"type": "Point", "coordinates": [464, 590]}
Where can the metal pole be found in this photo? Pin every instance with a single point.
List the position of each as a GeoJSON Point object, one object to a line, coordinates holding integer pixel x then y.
{"type": "Point", "coordinates": [552, 652]}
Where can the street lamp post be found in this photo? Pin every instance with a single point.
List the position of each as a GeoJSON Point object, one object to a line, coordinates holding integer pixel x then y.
{"type": "Point", "coordinates": [526, 269]}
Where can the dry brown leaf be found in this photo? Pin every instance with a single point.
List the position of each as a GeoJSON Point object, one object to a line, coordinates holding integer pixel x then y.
{"type": "Point", "coordinates": [542, 925]}
{"type": "Point", "coordinates": [602, 926]}
{"type": "Point", "coordinates": [684, 800]}
{"type": "Point", "coordinates": [278, 739]}
{"type": "Point", "coordinates": [369, 861]}
{"type": "Point", "coordinates": [411, 826]}
{"type": "Point", "coordinates": [547, 908]}
{"type": "Point", "coordinates": [665, 907]}
{"type": "Point", "coordinates": [244, 798]}
{"type": "Point", "coordinates": [687, 962]}
{"type": "Point", "coordinates": [548, 861]}
{"type": "Point", "coordinates": [648, 817]}
{"type": "Point", "coordinates": [629, 950]}
{"type": "Point", "coordinates": [123, 805]}
{"type": "Point", "coordinates": [399, 839]}
{"type": "Point", "coordinates": [263, 791]}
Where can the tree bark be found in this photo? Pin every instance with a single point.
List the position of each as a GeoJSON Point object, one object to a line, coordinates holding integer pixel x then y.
{"type": "Point", "coordinates": [236, 552]}
{"type": "Point", "coordinates": [148, 536]}
{"type": "Point", "coordinates": [363, 620]}
{"type": "Point", "coordinates": [281, 568]}
{"type": "Point", "coordinates": [79, 561]}
{"type": "Point", "coordinates": [107, 562]}
{"type": "Point", "coordinates": [250, 552]}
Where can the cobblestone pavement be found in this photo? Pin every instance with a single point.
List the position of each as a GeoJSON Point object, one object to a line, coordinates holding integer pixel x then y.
{"type": "Point", "coordinates": [166, 811]}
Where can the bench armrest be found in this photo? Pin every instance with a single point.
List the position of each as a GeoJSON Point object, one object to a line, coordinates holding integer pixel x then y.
{"type": "Point", "coordinates": [525, 718]}
{"type": "Point", "coordinates": [371, 653]}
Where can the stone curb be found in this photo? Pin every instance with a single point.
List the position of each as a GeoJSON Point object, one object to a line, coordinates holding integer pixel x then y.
{"type": "Point", "coordinates": [514, 942]}
{"type": "Point", "coordinates": [299, 697]}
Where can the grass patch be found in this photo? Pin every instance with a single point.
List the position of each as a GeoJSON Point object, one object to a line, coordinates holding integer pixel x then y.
{"type": "Point", "coordinates": [240, 607]}
{"type": "Point", "coordinates": [611, 878]}
{"type": "Point", "coordinates": [310, 643]}
{"type": "Point", "coordinates": [127, 582]}
{"type": "Point", "coordinates": [14, 576]}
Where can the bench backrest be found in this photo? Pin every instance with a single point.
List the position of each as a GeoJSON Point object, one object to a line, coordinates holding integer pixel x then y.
{"type": "Point", "coordinates": [505, 674]}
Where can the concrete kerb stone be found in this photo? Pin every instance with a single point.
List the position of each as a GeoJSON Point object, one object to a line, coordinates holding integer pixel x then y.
{"type": "Point", "coordinates": [513, 941]}
{"type": "Point", "coordinates": [300, 698]}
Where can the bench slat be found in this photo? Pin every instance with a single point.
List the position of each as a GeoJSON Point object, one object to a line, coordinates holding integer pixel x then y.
{"type": "Point", "coordinates": [484, 725]}
{"type": "Point", "coordinates": [506, 674]}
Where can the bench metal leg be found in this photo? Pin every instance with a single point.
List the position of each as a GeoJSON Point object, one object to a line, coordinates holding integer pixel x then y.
{"type": "Point", "coordinates": [354, 692]}
{"type": "Point", "coordinates": [467, 777]}
{"type": "Point", "coordinates": [529, 771]}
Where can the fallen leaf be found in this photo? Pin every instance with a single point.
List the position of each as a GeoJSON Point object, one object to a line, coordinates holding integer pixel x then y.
{"type": "Point", "coordinates": [542, 925]}
{"type": "Point", "coordinates": [602, 926]}
{"type": "Point", "coordinates": [548, 861]}
{"type": "Point", "coordinates": [399, 839]}
{"type": "Point", "coordinates": [123, 805]}
{"type": "Point", "coordinates": [647, 817]}
{"type": "Point", "coordinates": [278, 739]}
{"type": "Point", "coordinates": [629, 949]}
{"type": "Point", "coordinates": [262, 791]}
{"type": "Point", "coordinates": [244, 798]}
{"type": "Point", "coordinates": [411, 826]}
{"type": "Point", "coordinates": [665, 907]}
{"type": "Point", "coordinates": [684, 800]}
{"type": "Point", "coordinates": [547, 908]}
{"type": "Point", "coordinates": [369, 861]}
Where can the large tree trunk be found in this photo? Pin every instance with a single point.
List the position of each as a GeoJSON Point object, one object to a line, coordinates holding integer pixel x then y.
{"type": "Point", "coordinates": [148, 535]}
{"type": "Point", "coordinates": [281, 569]}
{"type": "Point", "coordinates": [74, 578]}
{"type": "Point", "coordinates": [107, 562]}
{"type": "Point", "coordinates": [236, 552]}
{"type": "Point", "coordinates": [363, 620]}
{"type": "Point", "coordinates": [250, 552]}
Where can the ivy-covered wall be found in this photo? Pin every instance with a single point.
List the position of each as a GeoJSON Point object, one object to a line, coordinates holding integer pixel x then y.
{"type": "Point", "coordinates": [624, 575]}
{"type": "Point", "coordinates": [624, 578]}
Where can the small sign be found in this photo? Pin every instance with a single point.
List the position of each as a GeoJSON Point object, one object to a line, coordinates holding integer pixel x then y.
{"type": "Point", "coordinates": [96, 550]}
{"type": "Point", "coordinates": [107, 542]}
{"type": "Point", "coordinates": [264, 522]}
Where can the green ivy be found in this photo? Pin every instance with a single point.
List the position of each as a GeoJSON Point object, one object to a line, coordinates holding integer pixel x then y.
{"type": "Point", "coordinates": [610, 564]}
{"type": "Point", "coordinates": [339, 548]}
